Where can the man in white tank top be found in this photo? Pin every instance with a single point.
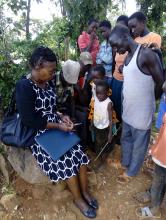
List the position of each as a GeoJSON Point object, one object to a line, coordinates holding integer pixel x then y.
{"type": "Point", "coordinates": [143, 78]}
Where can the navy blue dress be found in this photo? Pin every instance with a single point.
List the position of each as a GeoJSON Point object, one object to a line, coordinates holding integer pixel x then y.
{"type": "Point", "coordinates": [67, 165]}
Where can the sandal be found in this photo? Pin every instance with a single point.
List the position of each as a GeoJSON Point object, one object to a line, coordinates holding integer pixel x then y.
{"type": "Point", "coordinates": [89, 213]}
{"type": "Point", "coordinates": [93, 203]}
{"type": "Point", "coordinates": [146, 213]}
{"type": "Point", "coordinates": [142, 197]}
{"type": "Point", "coordinates": [124, 178]}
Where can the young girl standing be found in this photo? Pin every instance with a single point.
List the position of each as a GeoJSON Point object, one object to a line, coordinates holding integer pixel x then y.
{"type": "Point", "coordinates": [102, 119]}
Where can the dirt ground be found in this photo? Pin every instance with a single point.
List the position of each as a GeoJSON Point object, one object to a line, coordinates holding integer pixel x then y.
{"type": "Point", "coordinates": [55, 202]}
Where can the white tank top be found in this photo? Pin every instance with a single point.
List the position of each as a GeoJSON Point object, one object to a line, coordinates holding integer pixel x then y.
{"type": "Point", "coordinates": [138, 96]}
{"type": "Point", "coordinates": [101, 118]}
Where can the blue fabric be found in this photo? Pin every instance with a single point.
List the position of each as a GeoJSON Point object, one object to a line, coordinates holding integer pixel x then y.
{"type": "Point", "coordinates": [104, 57]}
{"type": "Point", "coordinates": [50, 141]}
{"type": "Point", "coordinates": [134, 143]}
{"type": "Point", "coordinates": [109, 80]}
{"type": "Point", "coordinates": [116, 97]}
{"type": "Point", "coordinates": [162, 110]}
{"type": "Point", "coordinates": [68, 164]}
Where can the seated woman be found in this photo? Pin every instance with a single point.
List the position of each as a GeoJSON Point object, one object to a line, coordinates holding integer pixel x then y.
{"type": "Point", "coordinates": [36, 104]}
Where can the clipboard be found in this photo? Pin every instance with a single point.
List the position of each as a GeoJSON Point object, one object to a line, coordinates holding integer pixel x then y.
{"type": "Point", "coordinates": [56, 142]}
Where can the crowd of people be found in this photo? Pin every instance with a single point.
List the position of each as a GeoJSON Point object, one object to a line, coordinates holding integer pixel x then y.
{"type": "Point", "coordinates": [114, 84]}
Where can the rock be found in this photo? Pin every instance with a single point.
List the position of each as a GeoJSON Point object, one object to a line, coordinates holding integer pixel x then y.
{"type": "Point", "coordinates": [10, 202]}
{"type": "Point", "coordinates": [3, 168]}
{"type": "Point", "coordinates": [24, 163]}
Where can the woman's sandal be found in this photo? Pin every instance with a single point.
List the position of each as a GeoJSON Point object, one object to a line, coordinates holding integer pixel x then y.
{"type": "Point", "coordinates": [146, 213]}
{"type": "Point", "coordinates": [142, 197]}
{"type": "Point", "coordinates": [89, 213]}
{"type": "Point", "coordinates": [124, 178]}
{"type": "Point", "coordinates": [93, 203]}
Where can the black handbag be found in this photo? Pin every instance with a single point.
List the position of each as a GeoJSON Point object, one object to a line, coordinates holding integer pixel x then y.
{"type": "Point", "coordinates": [13, 131]}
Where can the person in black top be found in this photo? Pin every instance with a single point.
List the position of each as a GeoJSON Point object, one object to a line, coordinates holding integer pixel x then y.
{"type": "Point", "coordinates": [36, 104]}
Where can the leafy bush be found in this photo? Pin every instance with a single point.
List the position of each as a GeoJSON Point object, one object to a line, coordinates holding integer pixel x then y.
{"type": "Point", "coordinates": [15, 56]}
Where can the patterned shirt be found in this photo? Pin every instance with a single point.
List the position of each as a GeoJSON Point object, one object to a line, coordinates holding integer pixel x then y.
{"type": "Point", "coordinates": [84, 41]}
{"type": "Point", "coordinates": [104, 57]}
{"type": "Point", "coordinates": [62, 93]}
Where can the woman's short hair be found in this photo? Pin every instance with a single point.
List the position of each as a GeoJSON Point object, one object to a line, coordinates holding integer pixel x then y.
{"type": "Point", "coordinates": [41, 54]}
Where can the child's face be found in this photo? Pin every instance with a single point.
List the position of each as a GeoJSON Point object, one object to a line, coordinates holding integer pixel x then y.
{"type": "Point", "coordinates": [101, 93]}
{"type": "Point", "coordinates": [97, 76]}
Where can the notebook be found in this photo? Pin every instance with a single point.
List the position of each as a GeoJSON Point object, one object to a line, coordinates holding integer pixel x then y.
{"type": "Point", "coordinates": [56, 142]}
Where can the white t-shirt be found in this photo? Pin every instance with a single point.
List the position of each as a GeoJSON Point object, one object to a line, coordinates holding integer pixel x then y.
{"type": "Point", "coordinates": [101, 116]}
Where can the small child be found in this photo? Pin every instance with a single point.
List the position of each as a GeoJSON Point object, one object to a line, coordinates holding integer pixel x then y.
{"type": "Point", "coordinates": [102, 119]}
{"type": "Point", "coordinates": [98, 73]}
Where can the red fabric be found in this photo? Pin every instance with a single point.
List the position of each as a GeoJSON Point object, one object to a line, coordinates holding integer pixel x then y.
{"type": "Point", "coordinates": [81, 82]}
{"type": "Point", "coordinates": [83, 42]}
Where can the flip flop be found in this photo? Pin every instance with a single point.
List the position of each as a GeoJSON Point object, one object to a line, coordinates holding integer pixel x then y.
{"type": "Point", "coordinates": [89, 213]}
{"type": "Point", "coordinates": [146, 213]}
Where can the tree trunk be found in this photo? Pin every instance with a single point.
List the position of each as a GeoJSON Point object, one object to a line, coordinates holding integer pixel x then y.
{"type": "Point", "coordinates": [28, 19]}
{"type": "Point", "coordinates": [63, 11]}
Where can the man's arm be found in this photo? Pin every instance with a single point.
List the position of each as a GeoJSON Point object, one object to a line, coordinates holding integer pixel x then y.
{"type": "Point", "coordinates": [153, 66]}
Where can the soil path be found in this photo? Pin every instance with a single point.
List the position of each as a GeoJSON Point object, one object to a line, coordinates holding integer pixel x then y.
{"type": "Point", "coordinates": [55, 203]}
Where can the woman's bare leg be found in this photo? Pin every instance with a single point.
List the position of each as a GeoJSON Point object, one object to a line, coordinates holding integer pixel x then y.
{"type": "Point", "coordinates": [73, 185]}
{"type": "Point", "coordinates": [83, 178]}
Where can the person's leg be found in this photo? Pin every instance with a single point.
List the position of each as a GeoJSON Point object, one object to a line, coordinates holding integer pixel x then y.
{"type": "Point", "coordinates": [73, 185]}
{"type": "Point", "coordinates": [158, 186]}
{"type": "Point", "coordinates": [98, 140]}
{"type": "Point", "coordinates": [141, 140]}
{"type": "Point", "coordinates": [81, 117]}
{"type": "Point", "coordinates": [109, 80]}
{"type": "Point", "coordinates": [116, 97]}
{"type": "Point", "coordinates": [101, 141]}
{"type": "Point", "coordinates": [83, 178]}
{"type": "Point", "coordinates": [126, 144]}
{"type": "Point", "coordinates": [156, 192]}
